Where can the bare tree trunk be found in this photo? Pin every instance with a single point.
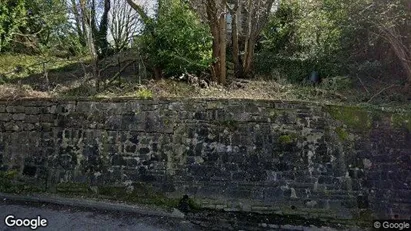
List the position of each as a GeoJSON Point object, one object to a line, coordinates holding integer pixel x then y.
{"type": "Point", "coordinates": [248, 59]}
{"type": "Point", "coordinates": [158, 73]}
{"type": "Point", "coordinates": [213, 11]}
{"type": "Point", "coordinates": [238, 69]}
{"type": "Point", "coordinates": [401, 51]}
{"type": "Point", "coordinates": [223, 45]}
{"type": "Point", "coordinates": [78, 23]}
{"type": "Point", "coordinates": [83, 14]}
{"type": "Point", "coordinates": [123, 25]}
{"type": "Point", "coordinates": [87, 20]}
{"type": "Point", "coordinates": [250, 10]}
{"type": "Point", "coordinates": [144, 17]}
{"type": "Point", "coordinates": [215, 54]}
{"type": "Point", "coordinates": [257, 17]}
{"type": "Point", "coordinates": [102, 31]}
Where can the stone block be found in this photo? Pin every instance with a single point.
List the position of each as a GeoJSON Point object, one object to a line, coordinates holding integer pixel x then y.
{"type": "Point", "coordinates": [5, 117]}
{"type": "Point", "coordinates": [83, 107]}
{"type": "Point", "coordinates": [32, 110]}
{"type": "Point", "coordinates": [48, 118]}
{"type": "Point", "coordinates": [20, 116]}
{"type": "Point", "coordinates": [15, 109]}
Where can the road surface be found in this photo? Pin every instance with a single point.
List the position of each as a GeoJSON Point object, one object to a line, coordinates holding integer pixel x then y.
{"type": "Point", "coordinates": [72, 218]}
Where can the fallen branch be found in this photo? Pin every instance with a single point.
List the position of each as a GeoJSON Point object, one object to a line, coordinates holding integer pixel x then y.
{"type": "Point", "coordinates": [384, 89]}
{"type": "Point", "coordinates": [363, 85]}
{"type": "Point", "coordinates": [331, 93]}
{"type": "Point", "coordinates": [116, 64]}
{"type": "Point", "coordinates": [118, 73]}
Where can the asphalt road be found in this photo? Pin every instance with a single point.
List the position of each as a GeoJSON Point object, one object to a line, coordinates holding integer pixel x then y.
{"type": "Point", "coordinates": [72, 218]}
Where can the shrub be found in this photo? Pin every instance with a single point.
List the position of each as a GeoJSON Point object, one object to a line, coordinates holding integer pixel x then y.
{"type": "Point", "coordinates": [179, 42]}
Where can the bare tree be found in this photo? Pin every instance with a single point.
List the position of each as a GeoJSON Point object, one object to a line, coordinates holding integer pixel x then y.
{"type": "Point", "coordinates": [214, 13]}
{"type": "Point", "coordinates": [100, 28]}
{"type": "Point", "coordinates": [88, 31]}
{"type": "Point", "coordinates": [124, 23]}
{"type": "Point", "coordinates": [402, 51]}
{"type": "Point", "coordinates": [77, 11]}
{"type": "Point", "coordinates": [393, 24]}
{"type": "Point", "coordinates": [234, 10]}
{"type": "Point", "coordinates": [94, 15]}
{"type": "Point", "coordinates": [140, 6]}
{"type": "Point", "coordinates": [249, 19]}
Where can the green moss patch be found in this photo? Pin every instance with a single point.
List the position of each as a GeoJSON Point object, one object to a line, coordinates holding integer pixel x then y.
{"type": "Point", "coordinates": [287, 138]}
{"type": "Point", "coordinates": [231, 125]}
{"type": "Point", "coordinates": [342, 133]}
{"type": "Point", "coordinates": [361, 119]}
{"type": "Point", "coordinates": [401, 120]}
{"type": "Point", "coordinates": [9, 175]}
{"type": "Point", "coordinates": [136, 193]}
{"type": "Point", "coordinates": [10, 182]}
{"type": "Point", "coordinates": [71, 188]}
{"type": "Point", "coordinates": [140, 193]}
{"type": "Point", "coordinates": [355, 118]}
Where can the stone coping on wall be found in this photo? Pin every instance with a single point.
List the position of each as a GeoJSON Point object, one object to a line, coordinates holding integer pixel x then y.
{"type": "Point", "coordinates": [383, 108]}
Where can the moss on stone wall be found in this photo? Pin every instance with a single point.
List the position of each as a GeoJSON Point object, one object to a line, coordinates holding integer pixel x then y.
{"type": "Point", "coordinates": [401, 120]}
{"type": "Point", "coordinates": [342, 133]}
{"type": "Point", "coordinates": [231, 125]}
{"type": "Point", "coordinates": [144, 94]}
{"type": "Point", "coordinates": [358, 118]}
{"type": "Point", "coordinates": [264, 142]}
{"type": "Point", "coordinates": [287, 138]}
{"type": "Point", "coordinates": [11, 182]}
{"type": "Point", "coordinates": [138, 193]}
{"type": "Point", "coordinates": [353, 117]}
{"type": "Point", "coordinates": [9, 175]}
{"type": "Point", "coordinates": [135, 193]}
{"type": "Point", "coordinates": [72, 188]}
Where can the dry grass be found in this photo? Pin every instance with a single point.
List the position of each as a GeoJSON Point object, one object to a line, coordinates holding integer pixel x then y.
{"type": "Point", "coordinates": [13, 92]}
{"type": "Point", "coordinates": [72, 79]}
{"type": "Point", "coordinates": [257, 89]}
{"type": "Point", "coordinates": [253, 89]}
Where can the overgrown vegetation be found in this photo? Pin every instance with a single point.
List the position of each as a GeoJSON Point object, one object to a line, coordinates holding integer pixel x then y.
{"type": "Point", "coordinates": [335, 38]}
{"type": "Point", "coordinates": [351, 52]}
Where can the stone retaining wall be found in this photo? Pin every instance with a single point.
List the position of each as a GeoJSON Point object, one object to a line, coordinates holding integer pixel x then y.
{"type": "Point", "coordinates": [263, 156]}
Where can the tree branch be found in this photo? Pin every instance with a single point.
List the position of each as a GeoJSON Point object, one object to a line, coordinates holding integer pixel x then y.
{"type": "Point", "coordinates": [146, 19]}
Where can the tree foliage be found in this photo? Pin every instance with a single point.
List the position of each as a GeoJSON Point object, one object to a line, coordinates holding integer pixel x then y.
{"type": "Point", "coordinates": [34, 26]}
{"type": "Point", "coordinates": [332, 37]}
{"type": "Point", "coordinates": [175, 41]}
{"type": "Point", "coordinates": [12, 15]}
{"type": "Point", "coordinates": [336, 37]}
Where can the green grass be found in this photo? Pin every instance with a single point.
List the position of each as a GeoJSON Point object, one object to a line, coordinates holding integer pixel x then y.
{"type": "Point", "coordinates": [31, 65]}
{"type": "Point", "coordinates": [144, 93]}
{"type": "Point", "coordinates": [402, 120]}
